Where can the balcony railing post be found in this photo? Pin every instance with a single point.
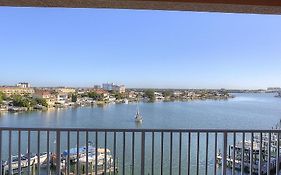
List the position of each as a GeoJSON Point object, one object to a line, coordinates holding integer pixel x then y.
{"type": "Point", "coordinates": [277, 153]}
{"type": "Point", "coordinates": [0, 152]}
{"type": "Point", "coordinates": [58, 158]}
{"type": "Point", "coordinates": [38, 153]}
{"type": "Point", "coordinates": [142, 153]}
{"type": "Point", "coordinates": [19, 152]}
{"type": "Point", "coordinates": [224, 159]}
{"type": "Point", "coordinates": [215, 159]}
{"type": "Point", "coordinates": [10, 152]}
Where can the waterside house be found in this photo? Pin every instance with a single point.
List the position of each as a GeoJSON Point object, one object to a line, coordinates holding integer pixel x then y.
{"type": "Point", "coordinates": [48, 95]}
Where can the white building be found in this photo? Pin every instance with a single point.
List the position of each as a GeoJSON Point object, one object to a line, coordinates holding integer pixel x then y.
{"type": "Point", "coordinates": [23, 85]}
{"type": "Point", "coordinates": [62, 98]}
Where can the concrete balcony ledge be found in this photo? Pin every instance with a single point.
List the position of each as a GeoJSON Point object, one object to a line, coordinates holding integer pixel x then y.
{"type": "Point", "coordinates": [227, 6]}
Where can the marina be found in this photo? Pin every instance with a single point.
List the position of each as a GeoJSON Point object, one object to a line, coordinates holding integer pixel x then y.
{"type": "Point", "coordinates": [262, 150]}
{"type": "Point", "coordinates": [72, 162]}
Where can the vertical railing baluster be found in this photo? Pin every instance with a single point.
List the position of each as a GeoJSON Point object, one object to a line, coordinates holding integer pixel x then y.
{"type": "Point", "coordinates": [105, 148]}
{"type": "Point", "coordinates": [87, 152]}
{"type": "Point", "coordinates": [48, 152]}
{"type": "Point", "coordinates": [269, 153]}
{"type": "Point", "coordinates": [96, 155]}
{"type": "Point", "coordinates": [171, 153]}
{"type": "Point", "coordinates": [38, 152]}
{"type": "Point", "coordinates": [114, 153]}
{"type": "Point", "coordinates": [28, 152]}
{"type": "Point", "coordinates": [77, 153]}
{"type": "Point", "coordinates": [58, 157]}
{"type": "Point", "coordinates": [68, 153]}
{"type": "Point", "coordinates": [124, 152]}
{"type": "Point", "coordinates": [233, 153]}
{"type": "Point", "coordinates": [251, 153]}
{"type": "Point", "coordinates": [260, 155]}
{"type": "Point", "coordinates": [197, 153]}
{"type": "Point", "coordinates": [1, 165]}
{"type": "Point", "coordinates": [243, 153]}
{"type": "Point", "coordinates": [19, 152]}
{"type": "Point", "coordinates": [162, 153]}
{"type": "Point", "coordinates": [133, 152]}
{"type": "Point", "coordinates": [207, 153]}
{"type": "Point", "coordinates": [10, 152]}
{"type": "Point", "coordinates": [180, 151]}
{"type": "Point", "coordinates": [188, 152]}
{"type": "Point", "coordinates": [142, 153]}
{"type": "Point", "coordinates": [224, 159]}
{"type": "Point", "coordinates": [277, 153]}
{"type": "Point", "coordinates": [152, 153]}
{"type": "Point", "coordinates": [216, 150]}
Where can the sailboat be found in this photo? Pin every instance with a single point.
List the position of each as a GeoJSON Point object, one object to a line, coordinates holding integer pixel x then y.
{"type": "Point", "coordinates": [138, 117]}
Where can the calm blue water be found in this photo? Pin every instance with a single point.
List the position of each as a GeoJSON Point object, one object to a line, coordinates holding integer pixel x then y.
{"type": "Point", "coordinates": [245, 111]}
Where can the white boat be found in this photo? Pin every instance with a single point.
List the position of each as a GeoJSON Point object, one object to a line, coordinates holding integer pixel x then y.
{"type": "Point", "coordinates": [138, 117]}
{"type": "Point", "coordinates": [14, 162]}
{"type": "Point", "coordinates": [100, 157]}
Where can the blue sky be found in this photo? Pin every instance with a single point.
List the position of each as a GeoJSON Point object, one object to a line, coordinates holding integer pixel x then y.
{"type": "Point", "coordinates": [160, 49]}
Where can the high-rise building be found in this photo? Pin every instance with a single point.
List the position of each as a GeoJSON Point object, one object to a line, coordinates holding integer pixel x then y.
{"type": "Point", "coordinates": [114, 87]}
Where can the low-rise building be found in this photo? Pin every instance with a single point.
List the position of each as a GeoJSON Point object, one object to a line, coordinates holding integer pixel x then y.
{"type": "Point", "coordinates": [102, 92]}
{"type": "Point", "coordinates": [273, 89]}
{"type": "Point", "coordinates": [47, 95]}
{"type": "Point", "coordinates": [10, 90]}
{"type": "Point", "coordinates": [66, 90]}
{"type": "Point", "coordinates": [62, 98]}
{"type": "Point", "coordinates": [158, 96]}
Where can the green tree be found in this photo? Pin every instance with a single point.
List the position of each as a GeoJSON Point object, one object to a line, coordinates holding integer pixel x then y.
{"type": "Point", "coordinates": [95, 96]}
{"type": "Point", "coordinates": [150, 95]}
{"type": "Point", "coordinates": [74, 98]}
{"type": "Point", "coordinates": [1, 97]}
{"type": "Point", "coordinates": [21, 101]}
{"type": "Point", "coordinates": [167, 93]}
{"type": "Point", "coordinates": [118, 96]}
{"type": "Point", "coordinates": [41, 101]}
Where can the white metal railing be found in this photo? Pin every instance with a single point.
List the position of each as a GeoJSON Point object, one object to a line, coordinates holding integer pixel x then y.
{"type": "Point", "coordinates": [138, 151]}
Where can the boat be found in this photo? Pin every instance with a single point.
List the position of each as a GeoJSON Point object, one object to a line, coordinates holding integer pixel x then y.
{"type": "Point", "coordinates": [138, 117]}
{"type": "Point", "coordinates": [14, 162]}
{"type": "Point", "coordinates": [81, 152]}
{"type": "Point", "coordinates": [43, 158]}
{"type": "Point", "coordinates": [100, 157]}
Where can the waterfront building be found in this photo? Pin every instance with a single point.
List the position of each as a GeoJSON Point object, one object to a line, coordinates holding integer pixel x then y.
{"type": "Point", "coordinates": [273, 89]}
{"type": "Point", "coordinates": [158, 96]}
{"type": "Point", "coordinates": [177, 93]}
{"type": "Point", "coordinates": [62, 98]}
{"type": "Point", "coordinates": [10, 90]}
{"type": "Point", "coordinates": [102, 92]}
{"type": "Point", "coordinates": [132, 94]}
{"type": "Point", "coordinates": [47, 95]}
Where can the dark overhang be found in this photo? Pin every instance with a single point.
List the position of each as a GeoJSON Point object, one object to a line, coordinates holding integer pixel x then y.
{"type": "Point", "coordinates": [229, 6]}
